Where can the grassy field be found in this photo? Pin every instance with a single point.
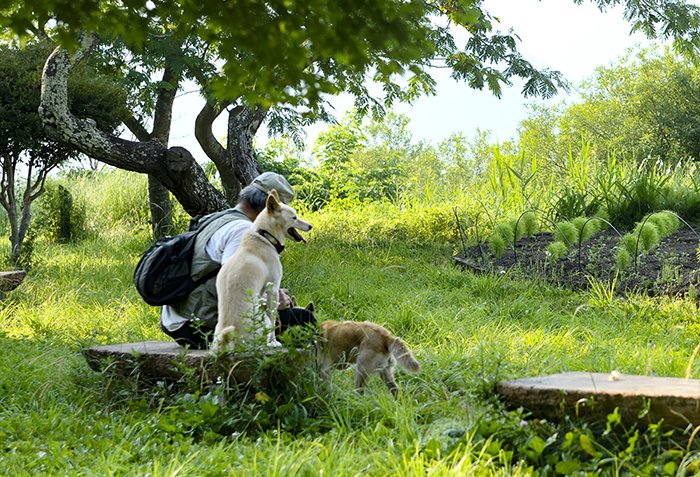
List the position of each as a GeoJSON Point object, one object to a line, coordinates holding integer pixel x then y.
{"type": "Point", "coordinates": [58, 417]}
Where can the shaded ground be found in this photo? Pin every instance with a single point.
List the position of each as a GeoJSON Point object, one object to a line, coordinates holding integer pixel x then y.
{"type": "Point", "coordinates": [671, 268]}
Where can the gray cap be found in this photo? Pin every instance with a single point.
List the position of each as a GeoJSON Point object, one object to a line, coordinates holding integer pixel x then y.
{"type": "Point", "coordinates": [271, 180]}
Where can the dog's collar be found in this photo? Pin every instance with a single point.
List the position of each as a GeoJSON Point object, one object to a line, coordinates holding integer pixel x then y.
{"type": "Point", "coordinates": [272, 239]}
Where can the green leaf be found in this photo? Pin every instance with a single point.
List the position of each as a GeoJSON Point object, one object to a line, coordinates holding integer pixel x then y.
{"type": "Point", "coordinates": [587, 445]}
{"type": "Point", "coordinates": [567, 467]}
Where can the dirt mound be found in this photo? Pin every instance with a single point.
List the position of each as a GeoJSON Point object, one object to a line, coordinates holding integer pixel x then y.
{"type": "Point", "coordinates": [670, 268]}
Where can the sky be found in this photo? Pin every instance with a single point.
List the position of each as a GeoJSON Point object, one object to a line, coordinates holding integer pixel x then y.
{"type": "Point", "coordinates": [554, 34]}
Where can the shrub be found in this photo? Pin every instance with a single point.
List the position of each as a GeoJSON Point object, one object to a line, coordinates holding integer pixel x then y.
{"type": "Point", "coordinates": [586, 227]}
{"type": "Point", "coordinates": [503, 236]}
{"type": "Point", "coordinates": [666, 222]}
{"type": "Point", "coordinates": [58, 216]}
{"type": "Point", "coordinates": [556, 250]}
{"type": "Point", "coordinates": [122, 198]}
{"type": "Point", "coordinates": [566, 232]}
{"type": "Point", "coordinates": [623, 258]}
{"type": "Point", "coordinates": [507, 233]}
{"type": "Point", "coordinates": [647, 234]}
{"type": "Point", "coordinates": [629, 243]}
{"type": "Point", "coordinates": [350, 221]}
{"type": "Point", "coordinates": [529, 224]}
{"type": "Point", "coordinates": [497, 244]}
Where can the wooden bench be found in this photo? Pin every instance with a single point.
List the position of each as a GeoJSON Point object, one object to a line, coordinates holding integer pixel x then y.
{"type": "Point", "coordinates": [167, 361]}
{"type": "Point", "coordinates": [595, 395]}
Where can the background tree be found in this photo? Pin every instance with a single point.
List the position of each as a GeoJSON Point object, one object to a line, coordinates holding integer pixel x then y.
{"type": "Point", "coordinates": [287, 58]}
{"type": "Point", "coordinates": [27, 153]}
{"type": "Point", "coordinates": [646, 106]}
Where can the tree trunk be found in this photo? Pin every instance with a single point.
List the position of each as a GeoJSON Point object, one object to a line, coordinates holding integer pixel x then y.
{"type": "Point", "coordinates": [160, 207]}
{"type": "Point", "coordinates": [8, 199]}
{"type": "Point", "coordinates": [174, 167]}
{"type": "Point", "coordinates": [236, 164]}
{"type": "Point", "coordinates": [243, 123]}
{"type": "Point", "coordinates": [158, 195]}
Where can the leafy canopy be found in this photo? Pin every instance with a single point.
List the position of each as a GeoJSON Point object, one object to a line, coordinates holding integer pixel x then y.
{"type": "Point", "coordinates": [22, 135]}
{"type": "Point", "coordinates": [296, 51]}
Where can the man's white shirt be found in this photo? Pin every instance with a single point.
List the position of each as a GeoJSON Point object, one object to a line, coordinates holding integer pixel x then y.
{"type": "Point", "coordinates": [220, 247]}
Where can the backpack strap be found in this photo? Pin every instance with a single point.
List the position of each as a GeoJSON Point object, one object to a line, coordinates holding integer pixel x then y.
{"type": "Point", "coordinates": [203, 267]}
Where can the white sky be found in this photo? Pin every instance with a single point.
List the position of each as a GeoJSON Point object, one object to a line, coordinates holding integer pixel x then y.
{"type": "Point", "coordinates": [555, 34]}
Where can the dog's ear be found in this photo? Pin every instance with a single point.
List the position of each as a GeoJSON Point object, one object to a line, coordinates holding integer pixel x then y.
{"type": "Point", "coordinates": [310, 307]}
{"type": "Point", "coordinates": [273, 201]}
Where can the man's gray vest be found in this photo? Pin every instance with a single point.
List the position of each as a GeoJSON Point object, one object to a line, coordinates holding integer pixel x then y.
{"type": "Point", "coordinates": [201, 304]}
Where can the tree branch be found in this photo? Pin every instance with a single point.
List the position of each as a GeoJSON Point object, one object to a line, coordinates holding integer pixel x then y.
{"type": "Point", "coordinates": [172, 167]}
{"type": "Point", "coordinates": [136, 128]}
{"type": "Point", "coordinates": [203, 132]}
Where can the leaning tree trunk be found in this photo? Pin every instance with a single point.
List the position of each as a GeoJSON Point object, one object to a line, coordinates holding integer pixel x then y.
{"type": "Point", "coordinates": [237, 164]}
{"type": "Point", "coordinates": [158, 195]}
{"type": "Point", "coordinates": [243, 123]}
{"type": "Point", "coordinates": [174, 167]}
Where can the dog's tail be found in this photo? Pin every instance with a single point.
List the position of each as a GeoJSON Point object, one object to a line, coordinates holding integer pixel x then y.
{"type": "Point", "coordinates": [400, 351]}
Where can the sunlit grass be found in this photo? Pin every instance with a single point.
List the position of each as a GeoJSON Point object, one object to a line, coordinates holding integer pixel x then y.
{"type": "Point", "coordinates": [58, 417]}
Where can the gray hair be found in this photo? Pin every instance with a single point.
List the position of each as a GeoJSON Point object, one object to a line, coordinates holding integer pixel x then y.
{"type": "Point", "coordinates": [254, 197]}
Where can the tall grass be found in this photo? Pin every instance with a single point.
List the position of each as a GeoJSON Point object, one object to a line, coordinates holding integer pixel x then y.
{"type": "Point", "coordinates": [387, 262]}
{"type": "Point", "coordinates": [57, 417]}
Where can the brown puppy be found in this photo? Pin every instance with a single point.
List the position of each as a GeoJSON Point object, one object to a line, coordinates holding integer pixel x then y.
{"type": "Point", "coordinates": [369, 345]}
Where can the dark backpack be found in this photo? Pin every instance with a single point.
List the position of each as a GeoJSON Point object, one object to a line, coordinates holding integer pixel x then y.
{"type": "Point", "coordinates": [163, 275]}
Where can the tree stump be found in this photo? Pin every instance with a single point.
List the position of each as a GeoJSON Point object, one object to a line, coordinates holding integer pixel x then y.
{"type": "Point", "coordinates": [596, 395]}
{"type": "Point", "coordinates": [11, 280]}
{"type": "Point", "coordinates": [167, 361]}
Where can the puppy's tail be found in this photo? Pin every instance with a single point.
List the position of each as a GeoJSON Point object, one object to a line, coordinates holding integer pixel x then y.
{"type": "Point", "coordinates": [400, 351]}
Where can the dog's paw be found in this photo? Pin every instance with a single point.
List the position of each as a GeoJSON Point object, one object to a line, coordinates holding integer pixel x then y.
{"type": "Point", "coordinates": [273, 343]}
{"type": "Point", "coordinates": [223, 342]}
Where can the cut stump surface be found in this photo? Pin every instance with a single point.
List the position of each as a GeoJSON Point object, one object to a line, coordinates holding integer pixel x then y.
{"type": "Point", "coordinates": [595, 395]}
{"type": "Point", "coordinates": [11, 280]}
{"type": "Point", "coordinates": [166, 360]}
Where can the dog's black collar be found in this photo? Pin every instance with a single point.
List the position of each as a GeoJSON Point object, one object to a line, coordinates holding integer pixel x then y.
{"type": "Point", "coordinates": [272, 239]}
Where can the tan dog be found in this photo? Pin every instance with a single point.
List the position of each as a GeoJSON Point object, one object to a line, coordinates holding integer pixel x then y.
{"type": "Point", "coordinates": [369, 345]}
{"type": "Point", "coordinates": [252, 275]}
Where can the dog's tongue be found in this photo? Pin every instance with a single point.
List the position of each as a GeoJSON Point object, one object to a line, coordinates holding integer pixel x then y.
{"type": "Point", "coordinates": [295, 234]}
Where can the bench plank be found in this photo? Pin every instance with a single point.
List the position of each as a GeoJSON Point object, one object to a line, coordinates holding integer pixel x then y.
{"type": "Point", "coordinates": [595, 395]}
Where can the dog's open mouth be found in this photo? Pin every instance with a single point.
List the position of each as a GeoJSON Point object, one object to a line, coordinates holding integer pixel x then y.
{"type": "Point", "coordinates": [294, 233]}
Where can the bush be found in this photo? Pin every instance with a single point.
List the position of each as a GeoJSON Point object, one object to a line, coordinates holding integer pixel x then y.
{"type": "Point", "coordinates": [646, 235]}
{"type": "Point", "coordinates": [556, 250]}
{"type": "Point", "coordinates": [113, 198]}
{"type": "Point", "coordinates": [587, 227]}
{"type": "Point", "coordinates": [497, 244]}
{"type": "Point", "coordinates": [623, 258]}
{"type": "Point", "coordinates": [351, 221]}
{"type": "Point", "coordinates": [666, 222]}
{"type": "Point", "coordinates": [507, 233]}
{"type": "Point", "coordinates": [59, 217]}
{"type": "Point", "coordinates": [528, 224]}
{"type": "Point", "coordinates": [649, 236]}
{"type": "Point", "coordinates": [566, 232]}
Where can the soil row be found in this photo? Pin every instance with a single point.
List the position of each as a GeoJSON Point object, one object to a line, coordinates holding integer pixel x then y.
{"type": "Point", "coordinates": [670, 268]}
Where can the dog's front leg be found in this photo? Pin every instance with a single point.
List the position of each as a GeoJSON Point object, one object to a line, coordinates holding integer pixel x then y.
{"type": "Point", "coordinates": [271, 304]}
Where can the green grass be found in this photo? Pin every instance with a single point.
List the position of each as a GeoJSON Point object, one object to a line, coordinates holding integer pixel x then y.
{"type": "Point", "coordinates": [58, 417]}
